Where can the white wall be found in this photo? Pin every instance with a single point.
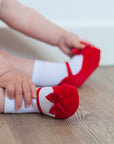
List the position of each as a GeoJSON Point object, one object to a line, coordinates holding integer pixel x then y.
{"type": "Point", "coordinates": [74, 10]}
{"type": "Point", "coordinates": [90, 19]}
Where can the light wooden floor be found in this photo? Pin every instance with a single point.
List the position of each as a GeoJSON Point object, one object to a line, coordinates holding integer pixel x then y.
{"type": "Point", "coordinates": [92, 124]}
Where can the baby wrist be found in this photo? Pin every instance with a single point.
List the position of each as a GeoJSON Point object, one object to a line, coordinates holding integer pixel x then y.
{"type": "Point", "coordinates": [62, 36]}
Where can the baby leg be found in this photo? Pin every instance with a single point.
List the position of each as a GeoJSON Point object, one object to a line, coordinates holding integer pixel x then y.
{"type": "Point", "coordinates": [21, 64]}
{"type": "Point", "coordinates": [74, 72]}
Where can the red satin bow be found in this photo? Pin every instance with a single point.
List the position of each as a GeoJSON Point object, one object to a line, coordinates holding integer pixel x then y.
{"type": "Point", "coordinates": [56, 99]}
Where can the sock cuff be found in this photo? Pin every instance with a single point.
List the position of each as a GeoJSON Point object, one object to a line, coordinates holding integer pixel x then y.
{"type": "Point", "coordinates": [10, 106]}
{"type": "Point", "coordinates": [35, 72]}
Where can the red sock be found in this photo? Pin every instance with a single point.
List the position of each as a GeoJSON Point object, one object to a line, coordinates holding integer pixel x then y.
{"type": "Point", "coordinates": [91, 58]}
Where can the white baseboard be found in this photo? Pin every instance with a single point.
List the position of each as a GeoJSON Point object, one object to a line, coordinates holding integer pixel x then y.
{"type": "Point", "coordinates": [100, 34]}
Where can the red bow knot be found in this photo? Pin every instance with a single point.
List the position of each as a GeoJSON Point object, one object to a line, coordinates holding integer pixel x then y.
{"type": "Point", "coordinates": [56, 99]}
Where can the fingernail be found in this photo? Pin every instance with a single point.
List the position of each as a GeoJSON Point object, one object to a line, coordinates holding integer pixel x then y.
{"type": "Point", "coordinates": [27, 106]}
{"type": "Point", "coordinates": [83, 46]}
{"type": "Point", "coordinates": [35, 96]}
{"type": "Point", "coordinates": [17, 108]}
{"type": "Point", "coordinates": [11, 98]}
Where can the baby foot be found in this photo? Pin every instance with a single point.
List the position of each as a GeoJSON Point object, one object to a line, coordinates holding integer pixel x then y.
{"type": "Point", "coordinates": [91, 58]}
{"type": "Point", "coordinates": [58, 102]}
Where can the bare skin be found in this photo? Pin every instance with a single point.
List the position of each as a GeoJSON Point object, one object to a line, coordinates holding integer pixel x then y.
{"type": "Point", "coordinates": [19, 17]}
{"type": "Point", "coordinates": [2, 99]}
{"type": "Point", "coordinates": [19, 63]}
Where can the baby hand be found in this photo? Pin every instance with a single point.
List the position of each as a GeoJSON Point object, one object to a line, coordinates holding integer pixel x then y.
{"type": "Point", "coordinates": [18, 85]}
{"type": "Point", "coordinates": [68, 42]}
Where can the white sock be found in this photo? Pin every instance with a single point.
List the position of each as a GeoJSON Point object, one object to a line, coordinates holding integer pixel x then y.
{"type": "Point", "coordinates": [75, 72]}
{"type": "Point", "coordinates": [52, 73]}
{"type": "Point", "coordinates": [45, 104]}
{"type": "Point", "coordinates": [10, 106]}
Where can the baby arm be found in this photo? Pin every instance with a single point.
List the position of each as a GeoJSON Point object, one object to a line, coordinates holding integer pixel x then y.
{"type": "Point", "coordinates": [31, 23]}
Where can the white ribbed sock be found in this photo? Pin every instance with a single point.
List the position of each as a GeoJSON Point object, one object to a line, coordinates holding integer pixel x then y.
{"type": "Point", "coordinates": [52, 73]}
{"type": "Point", "coordinates": [10, 106]}
{"type": "Point", "coordinates": [44, 103]}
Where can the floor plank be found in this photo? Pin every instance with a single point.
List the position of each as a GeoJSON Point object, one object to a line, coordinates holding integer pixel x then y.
{"type": "Point", "coordinates": [92, 124]}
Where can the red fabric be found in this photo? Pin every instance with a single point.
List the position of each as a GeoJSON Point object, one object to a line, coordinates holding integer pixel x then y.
{"type": "Point", "coordinates": [38, 103]}
{"type": "Point", "coordinates": [91, 58]}
{"type": "Point", "coordinates": [65, 99]}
